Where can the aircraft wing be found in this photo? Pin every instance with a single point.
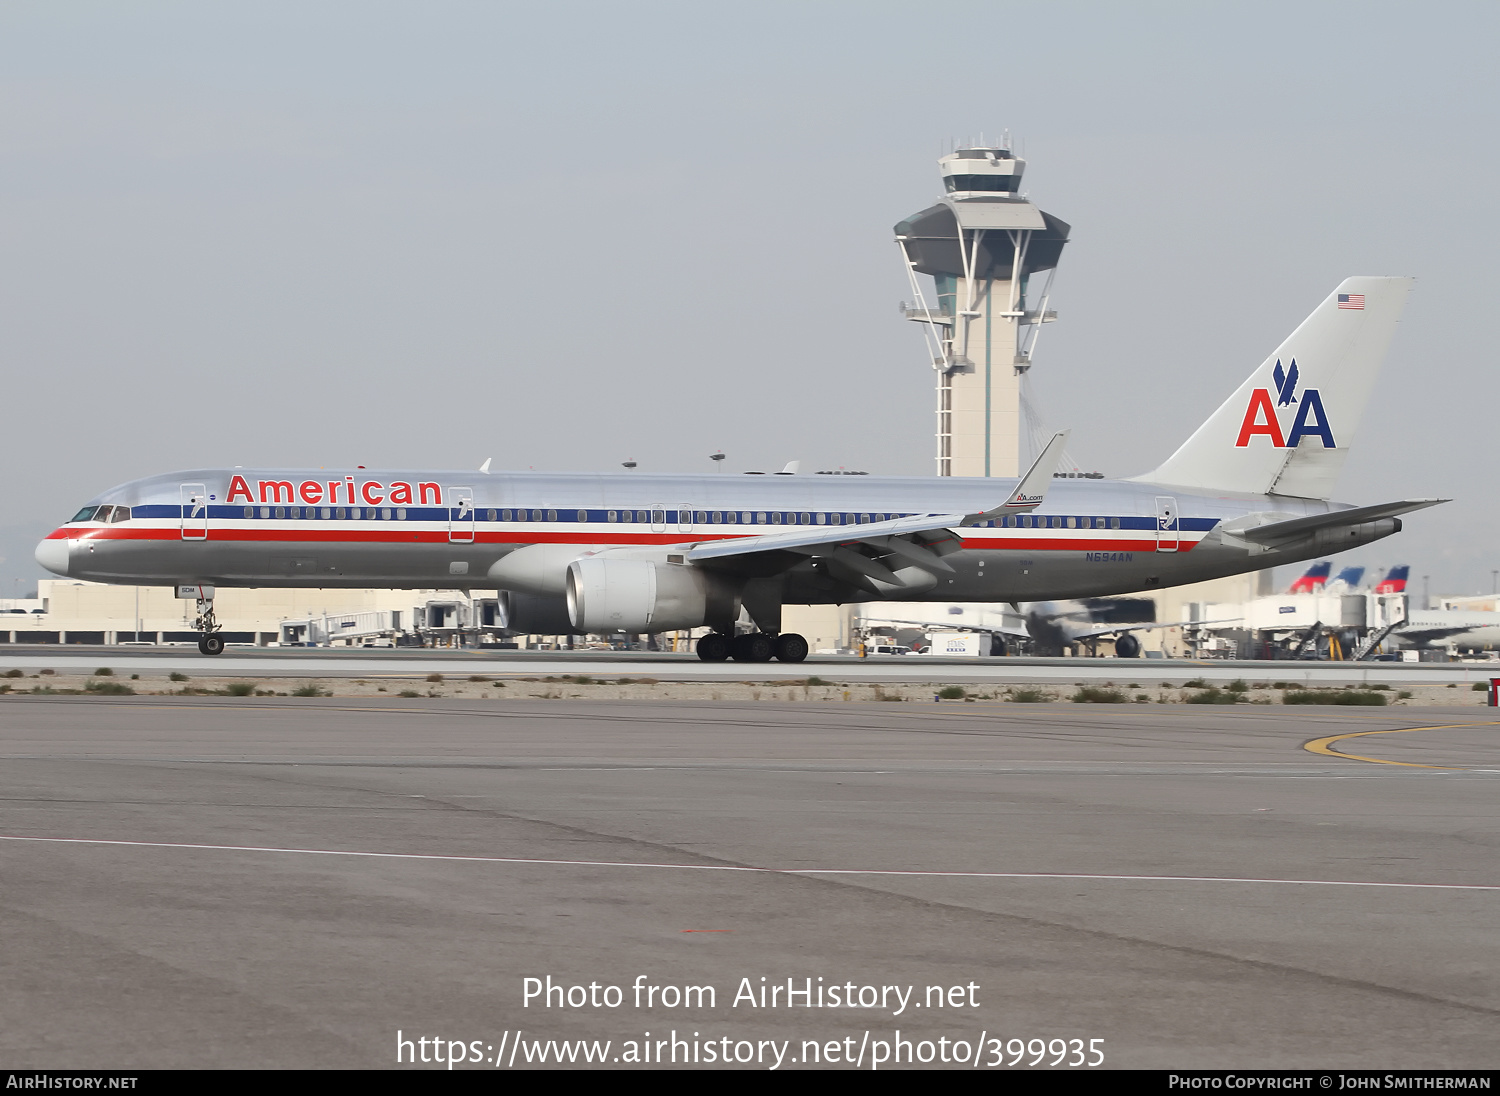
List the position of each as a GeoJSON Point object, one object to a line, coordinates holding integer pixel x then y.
{"type": "Point", "coordinates": [1110, 630]}
{"type": "Point", "coordinates": [1297, 527]}
{"type": "Point", "coordinates": [876, 550]}
{"type": "Point", "coordinates": [1427, 634]}
{"type": "Point", "coordinates": [937, 626]}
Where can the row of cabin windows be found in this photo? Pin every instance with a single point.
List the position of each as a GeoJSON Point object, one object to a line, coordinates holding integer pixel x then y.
{"type": "Point", "coordinates": [658, 517]}
{"type": "Point", "coordinates": [698, 517]}
{"type": "Point", "coordinates": [1040, 521]}
{"type": "Point", "coordinates": [370, 513]}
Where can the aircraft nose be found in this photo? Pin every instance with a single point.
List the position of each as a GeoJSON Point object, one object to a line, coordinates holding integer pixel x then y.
{"type": "Point", "coordinates": [53, 555]}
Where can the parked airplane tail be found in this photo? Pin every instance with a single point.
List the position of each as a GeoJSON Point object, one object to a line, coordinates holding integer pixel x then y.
{"type": "Point", "coordinates": [1394, 581]}
{"type": "Point", "coordinates": [1348, 578]}
{"type": "Point", "coordinates": [1313, 580]}
{"type": "Point", "coordinates": [1288, 427]}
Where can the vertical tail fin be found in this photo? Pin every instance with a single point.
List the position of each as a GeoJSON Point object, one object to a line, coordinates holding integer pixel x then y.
{"type": "Point", "coordinates": [1288, 428]}
{"type": "Point", "coordinates": [1347, 579]}
{"type": "Point", "coordinates": [1394, 581]}
{"type": "Point", "coordinates": [1313, 580]}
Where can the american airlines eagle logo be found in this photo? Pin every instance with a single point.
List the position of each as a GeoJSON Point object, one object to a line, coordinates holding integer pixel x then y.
{"type": "Point", "coordinates": [1261, 417]}
{"type": "Point", "coordinates": [1286, 384]}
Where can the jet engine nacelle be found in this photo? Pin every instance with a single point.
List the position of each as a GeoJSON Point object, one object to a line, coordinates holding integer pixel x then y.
{"type": "Point", "coordinates": [533, 614]}
{"type": "Point", "coordinates": [637, 595]}
{"type": "Point", "coordinates": [539, 569]}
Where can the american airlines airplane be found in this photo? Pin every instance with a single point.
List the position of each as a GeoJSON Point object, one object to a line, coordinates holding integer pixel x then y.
{"type": "Point", "coordinates": [587, 553]}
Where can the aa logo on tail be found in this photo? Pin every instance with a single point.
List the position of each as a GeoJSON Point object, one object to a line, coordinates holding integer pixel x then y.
{"type": "Point", "coordinates": [1261, 418]}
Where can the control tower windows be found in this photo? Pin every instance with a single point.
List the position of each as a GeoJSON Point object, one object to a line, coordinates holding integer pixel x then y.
{"type": "Point", "coordinates": [1003, 184]}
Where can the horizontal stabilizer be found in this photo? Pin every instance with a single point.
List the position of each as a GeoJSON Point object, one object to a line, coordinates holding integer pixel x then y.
{"type": "Point", "coordinates": [1358, 515]}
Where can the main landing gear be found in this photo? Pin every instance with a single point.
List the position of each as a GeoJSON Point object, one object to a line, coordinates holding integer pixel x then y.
{"type": "Point", "coordinates": [210, 642]}
{"type": "Point", "coordinates": [752, 647]}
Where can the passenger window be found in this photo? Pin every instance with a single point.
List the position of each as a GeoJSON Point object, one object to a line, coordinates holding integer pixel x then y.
{"type": "Point", "coordinates": [489, 515]}
{"type": "Point", "coordinates": [1072, 523]}
{"type": "Point", "coordinates": [1114, 523]}
{"type": "Point", "coordinates": [822, 519]}
{"type": "Point", "coordinates": [640, 516]}
{"type": "Point", "coordinates": [700, 517]}
{"type": "Point", "coordinates": [551, 515]}
{"type": "Point", "coordinates": [864, 519]}
{"type": "Point", "coordinates": [835, 519]}
{"type": "Point", "coordinates": [611, 516]}
{"type": "Point", "coordinates": [760, 517]}
{"type": "Point", "coordinates": [775, 517]}
{"type": "Point", "coordinates": [732, 517]}
{"type": "Point", "coordinates": [659, 517]}
{"type": "Point", "coordinates": [536, 515]}
{"type": "Point", "coordinates": [583, 515]}
{"type": "Point", "coordinates": [718, 517]}
{"type": "Point", "coordinates": [400, 513]}
{"type": "Point", "coordinates": [339, 513]}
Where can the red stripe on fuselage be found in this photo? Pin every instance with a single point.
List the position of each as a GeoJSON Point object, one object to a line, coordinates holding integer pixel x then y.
{"type": "Point", "coordinates": [221, 535]}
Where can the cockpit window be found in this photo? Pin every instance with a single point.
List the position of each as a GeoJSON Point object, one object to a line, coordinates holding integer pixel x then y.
{"type": "Point", "coordinates": [86, 514]}
{"type": "Point", "coordinates": [122, 513]}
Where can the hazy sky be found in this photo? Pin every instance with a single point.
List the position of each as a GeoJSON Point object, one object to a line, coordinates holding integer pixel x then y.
{"type": "Point", "coordinates": [563, 235]}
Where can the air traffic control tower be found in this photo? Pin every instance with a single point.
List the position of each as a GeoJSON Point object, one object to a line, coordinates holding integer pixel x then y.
{"type": "Point", "coordinates": [981, 244]}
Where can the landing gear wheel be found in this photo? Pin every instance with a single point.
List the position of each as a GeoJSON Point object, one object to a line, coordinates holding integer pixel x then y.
{"type": "Point", "coordinates": [790, 647]}
{"type": "Point", "coordinates": [1127, 646]}
{"type": "Point", "coordinates": [713, 647]}
{"type": "Point", "coordinates": [211, 645]}
{"type": "Point", "coordinates": [754, 647]}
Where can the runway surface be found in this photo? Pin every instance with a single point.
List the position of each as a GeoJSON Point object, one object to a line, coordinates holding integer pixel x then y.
{"type": "Point", "coordinates": [204, 882]}
{"type": "Point", "coordinates": [408, 663]}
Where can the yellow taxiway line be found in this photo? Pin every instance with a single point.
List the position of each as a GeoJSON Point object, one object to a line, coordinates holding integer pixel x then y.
{"type": "Point", "coordinates": [1325, 745]}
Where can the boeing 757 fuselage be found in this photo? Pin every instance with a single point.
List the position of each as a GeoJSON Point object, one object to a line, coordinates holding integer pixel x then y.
{"type": "Point", "coordinates": [640, 553]}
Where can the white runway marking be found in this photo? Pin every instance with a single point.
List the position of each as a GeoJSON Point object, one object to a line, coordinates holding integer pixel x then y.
{"type": "Point", "coordinates": [752, 870]}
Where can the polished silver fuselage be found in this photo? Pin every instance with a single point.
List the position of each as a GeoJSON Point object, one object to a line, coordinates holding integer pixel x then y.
{"type": "Point", "coordinates": [433, 529]}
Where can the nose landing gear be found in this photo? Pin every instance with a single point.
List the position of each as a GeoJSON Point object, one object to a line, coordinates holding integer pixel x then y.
{"type": "Point", "coordinates": [210, 643]}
